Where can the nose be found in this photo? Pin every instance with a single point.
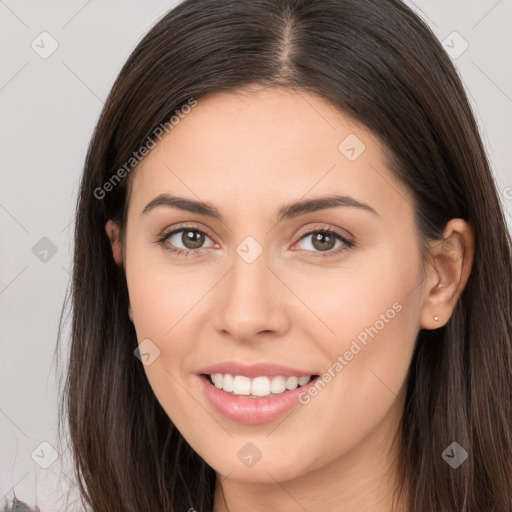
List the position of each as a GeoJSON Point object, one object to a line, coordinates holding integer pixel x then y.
{"type": "Point", "coordinates": [251, 301]}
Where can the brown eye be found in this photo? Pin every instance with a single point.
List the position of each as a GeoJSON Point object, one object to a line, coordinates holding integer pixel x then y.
{"type": "Point", "coordinates": [185, 241]}
{"type": "Point", "coordinates": [192, 238]}
{"type": "Point", "coordinates": [325, 241]}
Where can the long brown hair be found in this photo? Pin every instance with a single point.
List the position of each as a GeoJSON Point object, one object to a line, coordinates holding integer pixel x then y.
{"type": "Point", "coordinates": [378, 62]}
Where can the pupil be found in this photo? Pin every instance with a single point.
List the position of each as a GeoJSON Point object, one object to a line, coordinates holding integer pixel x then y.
{"type": "Point", "coordinates": [192, 239]}
{"type": "Point", "coordinates": [321, 239]}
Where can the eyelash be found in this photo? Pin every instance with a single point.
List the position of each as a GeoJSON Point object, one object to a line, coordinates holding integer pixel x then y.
{"type": "Point", "coordinates": [347, 244]}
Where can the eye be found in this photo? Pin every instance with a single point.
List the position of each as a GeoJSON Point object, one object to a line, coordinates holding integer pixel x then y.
{"type": "Point", "coordinates": [184, 241]}
{"type": "Point", "coordinates": [323, 241]}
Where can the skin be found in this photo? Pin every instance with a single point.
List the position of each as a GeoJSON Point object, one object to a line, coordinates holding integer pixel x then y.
{"type": "Point", "coordinates": [248, 154]}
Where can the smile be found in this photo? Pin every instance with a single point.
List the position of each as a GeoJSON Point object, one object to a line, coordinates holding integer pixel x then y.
{"type": "Point", "coordinates": [253, 394]}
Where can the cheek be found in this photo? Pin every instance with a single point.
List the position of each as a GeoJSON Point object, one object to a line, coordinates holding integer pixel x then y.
{"type": "Point", "coordinates": [370, 311]}
{"type": "Point", "coordinates": [163, 298]}
{"type": "Point", "coordinates": [374, 319]}
{"type": "Point", "coordinates": [375, 293]}
{"type": "Point", "coordinates": [163, 293]}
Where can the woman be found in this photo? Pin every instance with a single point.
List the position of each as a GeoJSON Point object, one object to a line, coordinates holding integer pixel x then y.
{"type": "Point", "coordinates": [292, 273]}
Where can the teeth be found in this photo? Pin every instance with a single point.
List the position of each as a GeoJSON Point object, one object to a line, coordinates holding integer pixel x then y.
{"type": "Point", "coordinates": [241, 385]}
{"type": "Point", "coordinates": [257, 387]}
{"type": "Point", "coordinates": [292, 382]}
{"type": "Point", "coordinates": [227, 383]}
{"type": "Point", "coordinates": [304, 380]}
{"type": "Point", "coordinates": [218, 380]}
{"type": "Point", "coordinates": [278, 385]}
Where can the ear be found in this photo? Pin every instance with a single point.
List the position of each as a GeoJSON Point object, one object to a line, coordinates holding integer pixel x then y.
{"type": "Point", "coordinates": [112, 229]}
{"type": "Point", "coordinates": [450, 270]}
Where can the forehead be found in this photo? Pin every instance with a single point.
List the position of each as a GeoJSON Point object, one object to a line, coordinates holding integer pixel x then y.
{"type": "Point", "coordinates": [254, 146]}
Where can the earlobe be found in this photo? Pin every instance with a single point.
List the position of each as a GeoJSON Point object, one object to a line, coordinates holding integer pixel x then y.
{"type": "Point", "coordinates": [112, 230]}
{"type": "Point", "coordinates": [452, 259]}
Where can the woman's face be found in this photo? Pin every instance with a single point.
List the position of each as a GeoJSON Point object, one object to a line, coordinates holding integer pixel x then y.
{"type": "Point", "coordinates": [260, 289]}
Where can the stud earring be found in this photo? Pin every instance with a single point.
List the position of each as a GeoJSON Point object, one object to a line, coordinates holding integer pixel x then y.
{"type": "Point", "coordinates": [436, 318]}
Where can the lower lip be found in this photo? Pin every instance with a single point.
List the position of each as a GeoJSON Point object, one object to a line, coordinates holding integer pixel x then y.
{"type": "Point", "coordinates": [252, 411]}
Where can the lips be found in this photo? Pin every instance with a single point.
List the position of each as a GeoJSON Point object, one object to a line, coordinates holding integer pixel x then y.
{"type": "Point", "coordinates": [254, 394]}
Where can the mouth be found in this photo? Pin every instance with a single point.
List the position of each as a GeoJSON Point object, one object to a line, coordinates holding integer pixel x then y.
{"type": "Point", "coordinates": [254, 393]}
{"type": "Point", "coordinates": [256, 400]}
{"type": "Point", "coordinates": [257, 387]}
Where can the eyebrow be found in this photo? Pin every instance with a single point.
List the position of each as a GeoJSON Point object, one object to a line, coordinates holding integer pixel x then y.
{"type": "Point", "coordinates": [287, 211]}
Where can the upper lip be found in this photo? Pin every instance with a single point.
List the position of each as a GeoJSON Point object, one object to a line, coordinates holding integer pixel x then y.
{"type": "Point", "coordinates": [254, 370]}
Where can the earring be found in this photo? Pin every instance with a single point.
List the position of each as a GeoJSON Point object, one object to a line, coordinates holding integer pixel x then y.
{"type": "Point", "coordinates": [436, 318]}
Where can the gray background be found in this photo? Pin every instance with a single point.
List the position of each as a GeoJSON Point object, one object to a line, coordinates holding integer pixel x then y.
{"type": "Point", "coordinates": [49, 107]}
